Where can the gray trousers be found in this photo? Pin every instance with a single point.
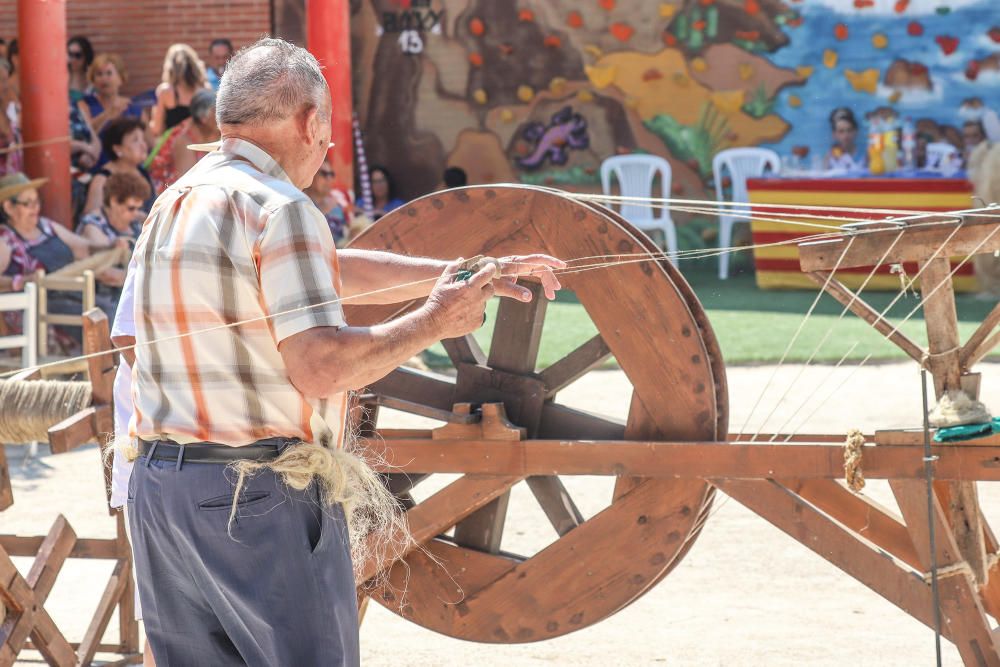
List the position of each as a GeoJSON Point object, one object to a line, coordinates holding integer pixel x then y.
{"type": "Point", "coordinates": [276, 588]}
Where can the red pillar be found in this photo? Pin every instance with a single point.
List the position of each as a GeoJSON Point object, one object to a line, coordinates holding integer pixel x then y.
{"type": "Point", "coordinates": [41, 29]}
{"type": "Point", "coordinates": [328, 37]}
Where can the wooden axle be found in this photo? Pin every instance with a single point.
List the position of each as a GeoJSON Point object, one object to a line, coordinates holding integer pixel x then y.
{"type": "Point", "coordinates": [682, 460]}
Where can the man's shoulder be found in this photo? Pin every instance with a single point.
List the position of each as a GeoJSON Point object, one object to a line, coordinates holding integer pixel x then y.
{"type": "Point", "coordinates": [241, 180]}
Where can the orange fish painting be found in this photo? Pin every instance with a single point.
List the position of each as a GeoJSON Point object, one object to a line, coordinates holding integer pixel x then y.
{"type": "Point", "coordinates": [865, 81]}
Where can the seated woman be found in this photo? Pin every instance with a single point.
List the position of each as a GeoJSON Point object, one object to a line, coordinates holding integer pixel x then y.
{"type": "Point", "coordinates": [383, 192]}
{"type": "Point", "coordinates": [331, 202]}
{"type": "Point", "coordinates": [29, 242]}
{"type": "Point", "coordinates": [124, 140]}
{"type": "Point", "coordinates": [120, 219]}
{"type": "Point", "coordinates": [844, 155]}
{"type": "Point", "coordinates": [171, 158]}
{"type": "Point", "coordinates": [107, 75]}
{"type": "Point", "coordinates": [121, 215]}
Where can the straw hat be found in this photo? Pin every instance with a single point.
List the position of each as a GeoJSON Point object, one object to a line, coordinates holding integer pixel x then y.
{"type": "Point", "coordinates": [14, 184]}
{"type": "Point", "coordinates": [216, 145]}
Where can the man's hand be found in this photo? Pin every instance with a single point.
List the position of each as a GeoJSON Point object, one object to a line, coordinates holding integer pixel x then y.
{"type": "Point", "coordinates": [457, 308]}
{"type": "Point", "coordinates": [516, 266]}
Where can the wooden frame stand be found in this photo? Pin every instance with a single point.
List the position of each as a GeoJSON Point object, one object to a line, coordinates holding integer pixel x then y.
{"type": "Point", "coordinates": [26, 624]}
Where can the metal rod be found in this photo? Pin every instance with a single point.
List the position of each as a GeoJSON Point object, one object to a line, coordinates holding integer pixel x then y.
{"type": "Point", "coordinates": [929, 471]}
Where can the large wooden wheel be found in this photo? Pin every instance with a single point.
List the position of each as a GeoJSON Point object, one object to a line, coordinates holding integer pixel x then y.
{"type": "Point", "coordinates": [649, 320]}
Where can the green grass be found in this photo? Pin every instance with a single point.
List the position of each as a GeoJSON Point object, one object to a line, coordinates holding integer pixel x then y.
{"type": "Point", "coordinates": [755, 326]}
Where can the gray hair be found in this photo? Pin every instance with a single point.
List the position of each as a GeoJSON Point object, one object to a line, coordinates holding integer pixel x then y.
{"type": "Point", "coordinates": [269, 80]}
{"type": "Point", "coordinates": [202, 104]}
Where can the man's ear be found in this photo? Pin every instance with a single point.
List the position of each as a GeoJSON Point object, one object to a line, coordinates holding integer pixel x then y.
{"type": "Point", "coordinates": [309, 124]}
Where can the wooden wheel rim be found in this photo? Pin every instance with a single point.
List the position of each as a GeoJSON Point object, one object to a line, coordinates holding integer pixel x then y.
{"type": "Point", "coordinates": [653, 324]}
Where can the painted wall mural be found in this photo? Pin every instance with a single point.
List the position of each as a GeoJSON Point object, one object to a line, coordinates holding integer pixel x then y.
{"type": "Point", "coordinates": [541, 91]}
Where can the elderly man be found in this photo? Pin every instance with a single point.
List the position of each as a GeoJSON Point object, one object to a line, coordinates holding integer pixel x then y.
{"type": "Point", "coordinates": [235, 255]}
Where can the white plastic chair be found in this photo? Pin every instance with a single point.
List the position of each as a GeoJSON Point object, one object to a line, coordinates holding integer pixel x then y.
{"type": "Point", "coordinates": [942, 157]}
{"type": "Point", "coordinates": [636, 174]}
{"type": "Point", "coordinates": [742, 164]}
{"type": "Point", "coordinates": [27, 340]}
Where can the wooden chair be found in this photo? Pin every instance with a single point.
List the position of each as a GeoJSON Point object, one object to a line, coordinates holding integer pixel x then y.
{"type": "Point", "coordinates": [86, 285]}
{"type": "Point", "coordinates": [27, 340]}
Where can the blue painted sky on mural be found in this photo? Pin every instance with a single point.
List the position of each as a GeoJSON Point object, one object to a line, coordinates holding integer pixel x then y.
{"type": "Point", "coordinates": [827, 88]}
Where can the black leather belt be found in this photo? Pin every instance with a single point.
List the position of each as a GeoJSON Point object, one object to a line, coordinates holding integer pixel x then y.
{"type": "Point", "coordinates": [212, 452]}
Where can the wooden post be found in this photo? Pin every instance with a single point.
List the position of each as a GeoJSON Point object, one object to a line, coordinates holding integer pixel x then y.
{"type": "Point", "coordinates": [944, 348]}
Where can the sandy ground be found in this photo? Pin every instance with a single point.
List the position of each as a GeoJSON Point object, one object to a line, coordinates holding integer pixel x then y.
{"type": "Point", "coordinates": [745, 594]}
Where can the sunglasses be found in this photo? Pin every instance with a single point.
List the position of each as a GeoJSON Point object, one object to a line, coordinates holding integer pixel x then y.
{"type": "Point", "coordinates": [326, 173]}
{"type": "Point", "coordinates": [75, 55]}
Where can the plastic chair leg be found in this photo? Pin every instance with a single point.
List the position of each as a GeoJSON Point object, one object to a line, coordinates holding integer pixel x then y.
{"type": "Point", "coordinates": [725, 241]}
{"type": "Point", "coordinates": [670, 237]}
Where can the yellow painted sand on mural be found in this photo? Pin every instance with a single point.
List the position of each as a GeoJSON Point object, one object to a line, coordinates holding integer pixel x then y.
{"type": "Point", "coordinates": [728, 101]}
{"type": "Point", "coordinates": [679, 95]}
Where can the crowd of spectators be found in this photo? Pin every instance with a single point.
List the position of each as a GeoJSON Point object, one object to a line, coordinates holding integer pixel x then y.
{"type": "Point", "coordinates": [124, 150]}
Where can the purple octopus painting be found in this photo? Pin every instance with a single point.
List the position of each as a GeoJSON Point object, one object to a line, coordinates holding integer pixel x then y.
{"type": "Point", "coordinates": [566, 131]}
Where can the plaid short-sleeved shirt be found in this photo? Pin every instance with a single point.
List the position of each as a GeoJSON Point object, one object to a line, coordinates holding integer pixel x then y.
{"type": "Point", "coordinates": [232, 240]}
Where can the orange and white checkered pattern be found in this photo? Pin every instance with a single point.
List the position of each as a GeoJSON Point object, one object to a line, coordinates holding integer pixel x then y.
{"type": "Point", "coordinates": [232, 240]}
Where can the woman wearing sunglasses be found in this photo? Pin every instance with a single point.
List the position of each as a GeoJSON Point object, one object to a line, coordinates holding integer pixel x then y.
{"type": "Point", "coordinates": [331, 202]}
{"type": "Point", "coordinates": [118, 221]}
{"type": "Point", "coordinates": [29, 242]}
{"type": "Point", "coordinates": [79, 56]}
{"type": "Point", "coordinates": [121, 215]}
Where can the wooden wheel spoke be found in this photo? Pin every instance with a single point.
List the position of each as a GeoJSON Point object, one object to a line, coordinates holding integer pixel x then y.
{"type": "Point", "coordinates": [439, 513]}
{"type": "Point", "coordinates": [556, 502]}
{"type": "Point", "coordinates": [518, 332]}
{"type": "Point", "coordinates": [575, 365]}
{"type": "Point", "coordinates": [560, 421]}
{"type": "Point", "coordinates": [514, 349]}
{"type": "Point", "coordinates": [464, 350]}
{"type": "Point", "coordinates": [408, 384]}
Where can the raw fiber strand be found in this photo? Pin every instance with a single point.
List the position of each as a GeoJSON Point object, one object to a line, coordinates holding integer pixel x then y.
{"type": "Point", "coordinates": [377, 528]}
{"type": "Point", "coordinates": [29, 407]}
{"type": "Point", "coordinates": [853, 447]}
